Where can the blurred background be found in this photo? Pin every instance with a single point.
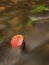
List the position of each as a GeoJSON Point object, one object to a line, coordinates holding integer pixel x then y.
{"type": "Point", "coordinates": [31, 19]}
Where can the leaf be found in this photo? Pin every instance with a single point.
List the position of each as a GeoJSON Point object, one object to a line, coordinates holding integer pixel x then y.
{"type": "Point", "coordinates": [39, 9]}
{"type": "Point", "coordinates": [29, 23]}
{"type": "Point", "coordinates": [19, 26]}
